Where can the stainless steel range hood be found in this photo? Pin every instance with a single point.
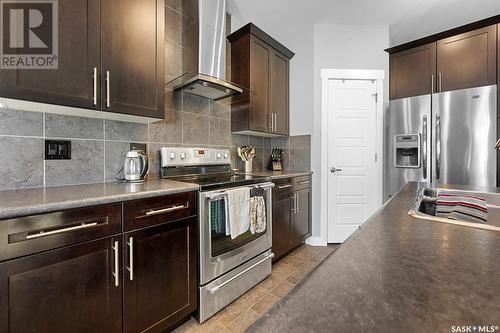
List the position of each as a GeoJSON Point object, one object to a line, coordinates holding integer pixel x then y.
{"type": "Point", "coordinates": [210, 80]}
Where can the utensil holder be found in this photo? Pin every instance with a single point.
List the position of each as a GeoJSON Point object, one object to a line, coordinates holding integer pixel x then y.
{"type": "Point", "coordinates": [249, 166]}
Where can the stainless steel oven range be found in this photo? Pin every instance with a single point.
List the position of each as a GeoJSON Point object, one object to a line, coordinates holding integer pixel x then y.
{"type": "Point", "coordinates": [228, 266]}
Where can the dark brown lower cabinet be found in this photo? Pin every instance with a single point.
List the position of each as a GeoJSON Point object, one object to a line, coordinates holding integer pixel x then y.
{"type": "Point", "coordinates": [301, 218]}
{"type": "Point", "coordinates": [291, 214]}
{"type": "Point", "coordinates": [282, 209]}
{"type": "Point", "coordinates": [160, 276]}
{"type": "Point", "coordinates": [71, 289]}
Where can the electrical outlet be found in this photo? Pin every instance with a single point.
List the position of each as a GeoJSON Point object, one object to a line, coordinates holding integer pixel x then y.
{"type": "Point", "coordinates": [57, 150]}
{"type": "Point", "coordinates": [138, 146]}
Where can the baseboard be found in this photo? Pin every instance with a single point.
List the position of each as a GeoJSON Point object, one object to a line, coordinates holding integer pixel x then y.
{"type": "Point", "coordinates": [316, 241]}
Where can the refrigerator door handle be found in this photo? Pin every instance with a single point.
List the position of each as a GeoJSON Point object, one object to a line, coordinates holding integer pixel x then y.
{"type": "Point", "coordinates": [438, 146]}
{"type": "Point", "coordinates": [424, 146]}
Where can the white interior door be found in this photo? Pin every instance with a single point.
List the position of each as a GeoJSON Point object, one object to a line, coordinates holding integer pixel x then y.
{"type": "Point", "coordinates": [352, 178]}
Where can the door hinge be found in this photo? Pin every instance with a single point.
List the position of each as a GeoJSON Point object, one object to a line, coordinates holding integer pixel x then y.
{"type": "Point", "coordinates": [375, 157]}
{"type": "Point", "coordinates": [376, 97]}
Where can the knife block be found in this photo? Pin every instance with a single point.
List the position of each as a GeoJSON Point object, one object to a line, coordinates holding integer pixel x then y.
{"type": "Point", "coordinates": [275, 162]}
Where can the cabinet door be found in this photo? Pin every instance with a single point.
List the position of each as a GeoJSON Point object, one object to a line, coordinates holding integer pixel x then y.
{"type": "Point", "coordinates": [72, 84]}
{"type": "Point", "coordinates": [66, 290]}
{"type": "Point", "coordinates": [260, 54]}
{"type": "Point", "coordinates": [280, 92]}
{"type": "Point", "coordinates": [467, 60]}
{"type": "Point", "coordinates": [301, 219]}
{"type": "Point", "coordinates": [413, 72]}
{"type": "Point", "coordinates": [160, 276]}
{"type": "Point", "coordinates": [133, 59]}
{"type": "Point", "coordinates": [281, 220]}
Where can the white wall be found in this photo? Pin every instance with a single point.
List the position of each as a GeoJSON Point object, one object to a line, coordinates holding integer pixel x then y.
{"type": "Point", "coordinates": [342, 47]}
{"type": "Point", "coordinates": [299, 39]}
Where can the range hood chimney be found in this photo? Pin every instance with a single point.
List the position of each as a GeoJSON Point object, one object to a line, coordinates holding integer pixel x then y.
{"type": "Point", "coordinates": [210, 80]}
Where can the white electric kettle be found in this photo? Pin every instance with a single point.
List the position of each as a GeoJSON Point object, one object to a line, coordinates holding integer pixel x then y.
{"type": "Point", "coordinates": [136, 166]}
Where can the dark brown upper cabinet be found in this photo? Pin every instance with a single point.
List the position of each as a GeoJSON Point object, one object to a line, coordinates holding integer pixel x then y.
{"type": "Point", "coordinates": [467, 60]}
{"type": "Point", "coordinates": [72, 83]}
{"type": "Point", "coordinates": [413, 72]}
{"type": "Point", "coordinates": [260, 64]}
{"type": "Point", "coordinates": [111, 58]}
{"type": "Point", "coordinates": [133, 57]}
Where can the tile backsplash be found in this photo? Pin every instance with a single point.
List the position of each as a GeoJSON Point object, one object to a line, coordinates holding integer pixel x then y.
{"type": "Point", "coordinates": [99, 146]}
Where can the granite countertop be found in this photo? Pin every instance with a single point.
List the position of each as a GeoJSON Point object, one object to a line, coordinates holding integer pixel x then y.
{"type": "Point", "coordinates": [14, 203]}
{"type": "Point", "coordinates": [281, 174]}
{"type": "Point", "coordinates": [398, 274]}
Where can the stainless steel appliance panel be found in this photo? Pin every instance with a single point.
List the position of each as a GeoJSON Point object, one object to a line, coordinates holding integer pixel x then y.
{"type": "Point", "coordinates": [409, 116]}
{"type": "Point", "coordinates": [464, 136]}
{"type": "Point", "coordinates": [222, 291]}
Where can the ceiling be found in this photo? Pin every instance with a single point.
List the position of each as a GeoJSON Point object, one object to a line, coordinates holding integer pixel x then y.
{"type": "Point", "coordinates": [407, 19]}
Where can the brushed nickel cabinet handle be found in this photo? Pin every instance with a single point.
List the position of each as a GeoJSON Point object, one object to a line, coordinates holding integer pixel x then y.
{"type": "Point", "coordinates": [297, 196]}
{"type": "Point", "coordinates": [130, 267]}
{"type": "Point", "coordinates": [275, 122]}
{"type": "Point", "coordinates": [116, 273]}
{"type": "Point", "coordinates": [440, 83]}
{"type": "Point", "coordinates": [304, 182]}
{"type": "Point", "coordinates": [284, 186]}
{"type": "Point", "coordinates": [108, 99]}
{"type": "Point", "coordinates": [432, 83]}
{"type": "Point", "coordinates": [166, 210]}
{"type": "Point", "coordinates": [94, 78]}
{"type": "Point", "coordinates": [294, 201]}
{"type": "Point", "coordinates": [62, 230]}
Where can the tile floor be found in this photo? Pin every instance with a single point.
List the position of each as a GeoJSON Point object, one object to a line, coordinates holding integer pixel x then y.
{"type": "Point", "coordinates": [244, 311]}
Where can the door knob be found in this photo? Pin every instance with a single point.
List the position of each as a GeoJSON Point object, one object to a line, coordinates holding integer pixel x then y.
{"type": "Point", "coordinates": [333, 169]}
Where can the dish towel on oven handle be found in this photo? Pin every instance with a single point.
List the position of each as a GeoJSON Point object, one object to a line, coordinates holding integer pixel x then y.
{"type": "Point", "coordinates": [237, 211]}
{"type": "Point", "coordinates": [257, 214]}
{"type": "Point", "coordinates": [461, 207]}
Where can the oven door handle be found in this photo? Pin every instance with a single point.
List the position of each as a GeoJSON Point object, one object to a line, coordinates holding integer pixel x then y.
{"type": "Point", "coordinates": [214, 289]}
{"type": "Point", "coordinates": [217, 194]}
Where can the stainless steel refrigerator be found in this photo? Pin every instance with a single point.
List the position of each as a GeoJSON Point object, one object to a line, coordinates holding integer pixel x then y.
{"type": "Point", "coordinates": [446, 137]}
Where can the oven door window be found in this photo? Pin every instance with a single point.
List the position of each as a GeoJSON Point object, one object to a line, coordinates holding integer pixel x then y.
{"type": "Point", "coordinates": [220, 239]}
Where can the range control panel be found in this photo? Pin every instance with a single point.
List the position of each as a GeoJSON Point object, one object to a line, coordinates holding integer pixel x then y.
{"type": "Point", "coordinates": [173, 156]}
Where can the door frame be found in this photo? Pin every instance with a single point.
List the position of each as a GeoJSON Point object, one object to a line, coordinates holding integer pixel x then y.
{"type": "Point", "coordinates": [328, 74]}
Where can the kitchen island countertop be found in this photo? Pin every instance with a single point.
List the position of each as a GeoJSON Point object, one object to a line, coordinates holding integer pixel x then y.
{"type": "Point", "coordinates": [24, 202]}
{"type": "Point", "coordinates": [398, 274]}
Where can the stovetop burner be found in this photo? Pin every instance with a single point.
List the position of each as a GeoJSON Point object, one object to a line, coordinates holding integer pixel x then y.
{"type": "Point", "coordinates": [209, 168]}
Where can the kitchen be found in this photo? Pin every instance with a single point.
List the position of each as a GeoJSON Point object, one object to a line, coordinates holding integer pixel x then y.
{"type": "Point", "coordinates": [201, 165]}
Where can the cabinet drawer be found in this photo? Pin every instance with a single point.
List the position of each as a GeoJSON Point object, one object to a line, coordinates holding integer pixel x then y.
{"type": "Point", "coordinates": [31, 234]}
{"type": "Point", "coordinates": [302, 182]}
{"type": "Point", "coordinates": [282, 186]}
{"type": "Point", "coordinates": [146, 212]}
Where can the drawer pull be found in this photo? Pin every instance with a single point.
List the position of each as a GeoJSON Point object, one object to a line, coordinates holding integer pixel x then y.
{"type": "Point", "coordinates": [62, 230]}
{"type": "Point", "coordinates": [166, 210]}
{"type": "Point", "coordinates": [284, 186]}
{"type": "Point", "coordinates": [304, 182]}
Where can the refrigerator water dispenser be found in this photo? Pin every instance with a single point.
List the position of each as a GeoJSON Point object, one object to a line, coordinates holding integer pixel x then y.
{"type": "Point", "coordinates": [407, 151]}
